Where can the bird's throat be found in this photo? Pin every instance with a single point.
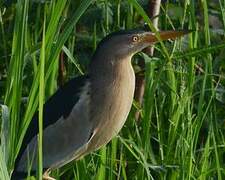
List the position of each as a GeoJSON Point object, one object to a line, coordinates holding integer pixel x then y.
{"type": "Point", "coordinates": [115, 88]}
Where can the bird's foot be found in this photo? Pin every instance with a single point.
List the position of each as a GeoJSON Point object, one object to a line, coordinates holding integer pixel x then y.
{"type": "Point", "coordinates": [48, 178]}
{"type": "Point", "coordinates": [46, 175]}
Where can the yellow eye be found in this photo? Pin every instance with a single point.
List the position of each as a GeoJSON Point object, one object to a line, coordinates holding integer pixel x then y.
{"type": "Point", "coordinates": [135, 38]}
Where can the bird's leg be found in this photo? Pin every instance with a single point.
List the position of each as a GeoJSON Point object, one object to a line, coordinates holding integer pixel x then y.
{"type": "Point", "coordinates": [46, 175]}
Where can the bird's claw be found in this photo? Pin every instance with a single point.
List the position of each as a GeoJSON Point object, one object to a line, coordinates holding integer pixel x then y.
{"type": "Point", "coordinates": [46, 176]}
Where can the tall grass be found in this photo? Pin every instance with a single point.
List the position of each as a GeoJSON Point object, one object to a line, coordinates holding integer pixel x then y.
{"type": "Point", "coordinates": [180, 134]}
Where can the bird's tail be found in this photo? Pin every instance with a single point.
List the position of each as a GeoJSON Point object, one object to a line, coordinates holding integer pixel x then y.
{"type": "Point", "coordinates": [19, 175]}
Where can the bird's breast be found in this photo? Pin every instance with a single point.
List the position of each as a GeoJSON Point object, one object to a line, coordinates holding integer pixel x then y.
{"type": "Point", "coordinates": [112, 103]}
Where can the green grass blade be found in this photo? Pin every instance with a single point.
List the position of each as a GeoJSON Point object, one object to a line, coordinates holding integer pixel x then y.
{"type": "Point", "coordinates": [41, 103]}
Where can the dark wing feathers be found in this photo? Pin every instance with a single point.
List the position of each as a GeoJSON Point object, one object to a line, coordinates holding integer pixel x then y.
{"type": "Point", "coordinates": [60, 104]}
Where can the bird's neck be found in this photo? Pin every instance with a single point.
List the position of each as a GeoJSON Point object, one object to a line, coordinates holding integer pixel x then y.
{"type": "Point", "coordinates": [112, 91]}
{"type": "Point", "coordinates": [116, 80]}
{"type": "Point", "coordinates": [110, 68]}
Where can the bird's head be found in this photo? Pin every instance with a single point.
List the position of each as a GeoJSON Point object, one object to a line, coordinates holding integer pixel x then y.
{"type": "Point", "coordinates": [124, 44]}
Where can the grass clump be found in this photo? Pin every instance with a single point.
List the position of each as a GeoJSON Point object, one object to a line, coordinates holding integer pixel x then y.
{"type": "Point", "coordinates": [180, 134]}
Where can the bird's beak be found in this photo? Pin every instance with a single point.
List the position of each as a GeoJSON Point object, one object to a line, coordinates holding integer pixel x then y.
{"type": "Point", "coordinates": [163, 35]}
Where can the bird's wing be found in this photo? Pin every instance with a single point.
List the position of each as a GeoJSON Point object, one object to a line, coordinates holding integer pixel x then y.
{"type": "Point", "coordinates": [57, 108]}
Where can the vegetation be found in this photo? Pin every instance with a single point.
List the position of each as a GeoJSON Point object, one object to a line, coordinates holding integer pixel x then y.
{"type": "Point", "coordinates": [181, 131]}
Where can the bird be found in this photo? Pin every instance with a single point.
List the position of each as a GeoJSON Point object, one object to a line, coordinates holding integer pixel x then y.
{"type": "Point", "coordinates": [88, 111]}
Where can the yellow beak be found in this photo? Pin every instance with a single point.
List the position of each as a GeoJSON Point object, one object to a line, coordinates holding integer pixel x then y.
{"type": "Point", "coordinates": [164, 35]}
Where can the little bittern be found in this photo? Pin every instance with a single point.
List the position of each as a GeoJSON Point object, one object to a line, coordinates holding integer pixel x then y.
{"type": "Point", "coordinates": [90, 110]}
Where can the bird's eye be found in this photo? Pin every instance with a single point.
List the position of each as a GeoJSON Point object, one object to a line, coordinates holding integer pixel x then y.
{"type": "Point", "coordinates": [135, 38]}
